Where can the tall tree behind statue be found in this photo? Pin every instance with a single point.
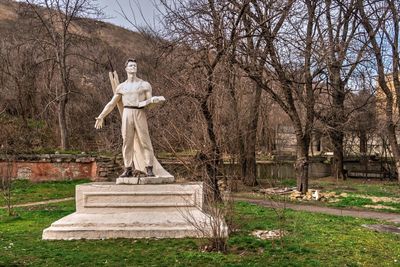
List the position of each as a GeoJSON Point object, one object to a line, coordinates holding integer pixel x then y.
{"type": "Point", "coordinates": [54, 21]}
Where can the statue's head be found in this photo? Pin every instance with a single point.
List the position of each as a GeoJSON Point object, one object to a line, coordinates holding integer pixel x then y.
{"type": "Point", "coordinates": [131, 66]}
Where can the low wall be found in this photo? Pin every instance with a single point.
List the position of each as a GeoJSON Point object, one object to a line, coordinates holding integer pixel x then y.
{"type": "Point", "coordinates": [46, 167]}
{"type": "Point", "coordinates": [55, 167]}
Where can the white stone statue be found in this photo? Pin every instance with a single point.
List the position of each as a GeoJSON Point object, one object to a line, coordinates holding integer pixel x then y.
{"type": "Point", "coordinates": [137, 150]}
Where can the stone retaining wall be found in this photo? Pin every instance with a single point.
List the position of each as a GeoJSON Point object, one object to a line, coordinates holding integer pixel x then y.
{"type": "Point", "coordinates": [46, 167]}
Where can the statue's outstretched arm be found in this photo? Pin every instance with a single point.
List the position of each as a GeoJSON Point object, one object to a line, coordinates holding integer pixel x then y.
{"type": "Point", "coordinates": [149, 90]}
{"type": "Point", "coordinates": [107, 109]}
{"type": "Point", "coordinates": [149, 98]}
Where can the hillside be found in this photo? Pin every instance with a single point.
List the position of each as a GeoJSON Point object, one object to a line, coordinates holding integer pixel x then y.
{"type": "Point", "coordinates": [128, 41]}
{"type": "Point", "coordinates": [29, 82]}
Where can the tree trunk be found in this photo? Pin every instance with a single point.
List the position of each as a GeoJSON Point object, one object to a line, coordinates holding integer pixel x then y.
{"type": "Point", "coordinates": [212, 192]}
{"type": "Point", "coordinates": [394, 145]}
{"type": "Point", "coordinates": [301, 164]}
{"type": "Point", "coordinates": [62, 123]}
{"type": "Point", "coordinates": [398, 170]}
{"type": "Point", "coordinates": [248, 160]}
{"type": "Point", "coordinates": [363, 142]}
{"type": "Point", "coordinates": [337, 141]}
{"type": "Point", "coordinates": [237, 121]}
{"type": "Point", "coordinates": [212, 161]}
{"type": "Point", "coordinates": [337, 134]}
{"type": "Point", "coordinates": [62, 104]}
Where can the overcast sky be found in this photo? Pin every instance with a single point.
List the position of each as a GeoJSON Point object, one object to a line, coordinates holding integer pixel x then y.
{"type": "Point", "coordinates": [112, 11]}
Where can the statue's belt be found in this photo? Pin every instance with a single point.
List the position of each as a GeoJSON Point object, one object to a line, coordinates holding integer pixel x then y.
{"type": "Point", "coordinates": [133, 107]}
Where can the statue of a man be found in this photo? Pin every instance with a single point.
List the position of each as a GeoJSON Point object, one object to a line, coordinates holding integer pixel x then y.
{"type": "Point", "coordinates": [137, 149]}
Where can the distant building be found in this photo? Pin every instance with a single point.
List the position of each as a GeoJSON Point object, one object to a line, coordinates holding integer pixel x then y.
{"type": "Point", "coordinates": [381, 99]}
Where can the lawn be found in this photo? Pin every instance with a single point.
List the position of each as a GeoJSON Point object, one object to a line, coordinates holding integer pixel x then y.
{"type": "Point", "coordinates": [312, 240]}
{"type": "Point", "coordinates": [371, 187]}
{"type": "Point", "coordinates": [373, 195]}
{"type": "Point", "coordinates": [358, 186]}
{"type": "Point", "coordinates": [24, 191]}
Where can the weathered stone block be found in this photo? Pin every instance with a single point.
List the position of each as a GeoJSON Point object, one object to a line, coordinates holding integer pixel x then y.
{"type": "Point", "coordinates": [85, 159]}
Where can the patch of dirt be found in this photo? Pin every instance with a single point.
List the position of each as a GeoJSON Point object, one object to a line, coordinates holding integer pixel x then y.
{"type": "Point", "coordinates": [380, 199]}
{"type": "Point", "coordinates": [354, 212]}
{"type": "Point", "coordinates": [379, 207]}
{"type": "Point", "coordinates": [383, 228]}
{"type": "Point", "coordinates": [45, 202]}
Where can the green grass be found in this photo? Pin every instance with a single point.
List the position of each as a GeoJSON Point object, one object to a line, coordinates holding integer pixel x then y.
{"type": "Point", "coordinates": [359, 186]}
{"type": "Point", "coordinates": [360, 202]}
{"type": "Point", "coordinates": [24, 191]}
{"type": "Point", "coordinates": [350, 202]}
{"type": "Point", "coordinates": [354, 188]}
{"type": "Point", "coordinates": [288, 182]}
{"type": "Point", "coordinates": [312, 240]}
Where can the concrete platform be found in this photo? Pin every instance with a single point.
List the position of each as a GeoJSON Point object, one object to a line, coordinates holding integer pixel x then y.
{"type": "Point", "coordinates": [107, 210]}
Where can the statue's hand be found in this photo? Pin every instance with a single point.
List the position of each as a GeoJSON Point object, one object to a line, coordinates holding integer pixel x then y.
{"type": "Point", "coordinates": [99, 123]}
{"type": "Point", "coordinates": [157, 99]}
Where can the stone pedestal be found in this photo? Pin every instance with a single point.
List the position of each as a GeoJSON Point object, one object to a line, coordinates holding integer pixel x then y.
{"type": "Point", "coordinates": [107, 210]}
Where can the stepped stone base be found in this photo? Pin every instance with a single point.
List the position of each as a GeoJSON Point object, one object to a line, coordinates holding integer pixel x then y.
{"type": "Point", "coordinates": [107, 210]}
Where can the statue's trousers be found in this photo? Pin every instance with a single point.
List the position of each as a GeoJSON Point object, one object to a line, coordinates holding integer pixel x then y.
{"type": "Point", "coordinates": [137, 145]}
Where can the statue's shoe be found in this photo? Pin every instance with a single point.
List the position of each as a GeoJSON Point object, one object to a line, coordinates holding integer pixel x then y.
{"type": "Point", "coordinates": [149, 171]}
{"type": "Point", "coordinates": [127, 173]}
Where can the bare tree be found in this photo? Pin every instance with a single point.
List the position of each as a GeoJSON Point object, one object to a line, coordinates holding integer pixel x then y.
{"type": "Point", "coordinates": [341, 48]}
{"type": "Point", "coordinates": [21, 94]}
{"type": "Point", "coordinates": [199, 29]}
{"type": "Point", "coordinates": [277, 48]}
{"type": "Point", "coordinates": [245, 98]}
{"type": "Point", "coordinates": [57, 34]}
{"type": "Point", "coordinates": [18, 64]}
{"type": "Point", "coordinates": [382, 25]}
